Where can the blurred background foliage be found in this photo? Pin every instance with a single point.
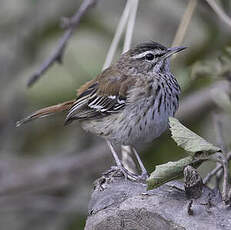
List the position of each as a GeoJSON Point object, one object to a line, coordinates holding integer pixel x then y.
{"type": "Point", "coordinates": [47, 170]}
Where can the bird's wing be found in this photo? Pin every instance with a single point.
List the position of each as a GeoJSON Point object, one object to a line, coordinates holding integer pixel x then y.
{"type": "Point", "coordinates": [103, 96]}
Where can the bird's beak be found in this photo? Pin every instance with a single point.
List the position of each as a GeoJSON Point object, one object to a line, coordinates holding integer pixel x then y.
{"type": "Point", "coordinates": [173, 50]}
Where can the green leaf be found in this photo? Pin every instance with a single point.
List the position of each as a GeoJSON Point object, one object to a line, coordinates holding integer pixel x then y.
{"type": "Point", "coordinates": [167, 172]}
{"type": "Point", "coordinates": [189, 140]}
{"type": "Point", "coordinates": [197, 147]}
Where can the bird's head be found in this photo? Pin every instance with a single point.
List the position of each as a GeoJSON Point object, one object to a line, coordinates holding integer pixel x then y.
{"type": "Point", "coordinates": [148, 57]}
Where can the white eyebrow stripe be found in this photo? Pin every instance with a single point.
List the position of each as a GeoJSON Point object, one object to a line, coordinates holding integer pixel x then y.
{"type": "Point", "coordinates": [142, 54]}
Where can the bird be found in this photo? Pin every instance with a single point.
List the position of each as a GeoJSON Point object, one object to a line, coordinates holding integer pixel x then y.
{"type": "Point", "coordinates": [128, 103]}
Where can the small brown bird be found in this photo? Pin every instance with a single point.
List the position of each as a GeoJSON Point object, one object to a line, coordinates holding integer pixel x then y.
{"type": "Point", "coordinates": [128, 103]}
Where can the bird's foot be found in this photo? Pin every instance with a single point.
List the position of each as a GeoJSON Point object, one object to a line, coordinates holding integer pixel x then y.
{"type": "Point", "coordinates": [114, 171]}
{"type": "Point", "coordinates": [141, 178]}
{"type": "Point", "coordinates": [144, 176]}
{"type": "Point", "coordinates": [118, 171]}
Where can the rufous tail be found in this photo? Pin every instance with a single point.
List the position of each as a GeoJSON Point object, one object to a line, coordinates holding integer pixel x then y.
{"type": "Point", "coordinates": [47, 112]}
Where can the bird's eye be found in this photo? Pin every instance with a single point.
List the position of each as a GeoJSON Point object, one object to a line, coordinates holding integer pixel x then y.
{"type": "Point", "coordinates": [149, 56]}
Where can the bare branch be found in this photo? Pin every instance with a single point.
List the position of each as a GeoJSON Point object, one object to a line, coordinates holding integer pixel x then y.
{"type": "Point", "coordinates": [185, 20]}
{"type": "Point", "coordinates": [224, 160]}
{"type": "Point", "coordinates": [219, 176]}
{"type": "Point", "coordinates": [218, 130]}
{"type": "Point", "coordinates": [229, 195]}
{"type": "Point", "coordinates": [130, 25]}
{"type": "Point", "coordinates": [119, 31]}
{"type": "Point", "coordinates": [220, 12]}
{"type": "Point", "coordinates": [215, 170]}
{"type": "Point", "coordinates": [57, 54]}
{"type": "Point", "coordinates": [220, 142]}
{"type": "Point", "coordinates": [128, 18]}
{"type": "Point", "coordinates": [226, 186]}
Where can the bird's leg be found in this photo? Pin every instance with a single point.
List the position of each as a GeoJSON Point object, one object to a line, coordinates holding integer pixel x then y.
{"type": "Point", "coordinates": [127, 158]}
{"type": "Point", "coordinates": [119, 164]}
{"type": "Point", "coordinates": [144, 174]}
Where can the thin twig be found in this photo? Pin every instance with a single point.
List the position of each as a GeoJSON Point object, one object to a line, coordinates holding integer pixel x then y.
{"type": "Point", "coordinates": [219, 175]}
{"type": "Point", "coordinates": [229, 196]}
{"type": "Point", "coordinates": [226, 185]}
{"type": "Point", "coordinates": [220, 12]}
{"type": "Point", "coordinates": [119, 31]}
{"type": "Point", "coordinates": [185, 20]}
{"type": "Point", "coordinates": [219, 134]}
{"type": "Point", "coordinates": [130, 25]}
{"type": "Point", "coordinates": [212, 173]}
{"type": "Point", "coordinates": [57, 54]}
{"type": "Point", "coordinates": [215, 170]}
{"type": "Point", "coordinates": [223, 156]}
{"type": "Point", "coordinates": [220, 142]}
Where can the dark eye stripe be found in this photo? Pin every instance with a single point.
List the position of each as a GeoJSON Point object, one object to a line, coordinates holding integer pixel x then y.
{"type": "Point", "coordinates": [158, 55]}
